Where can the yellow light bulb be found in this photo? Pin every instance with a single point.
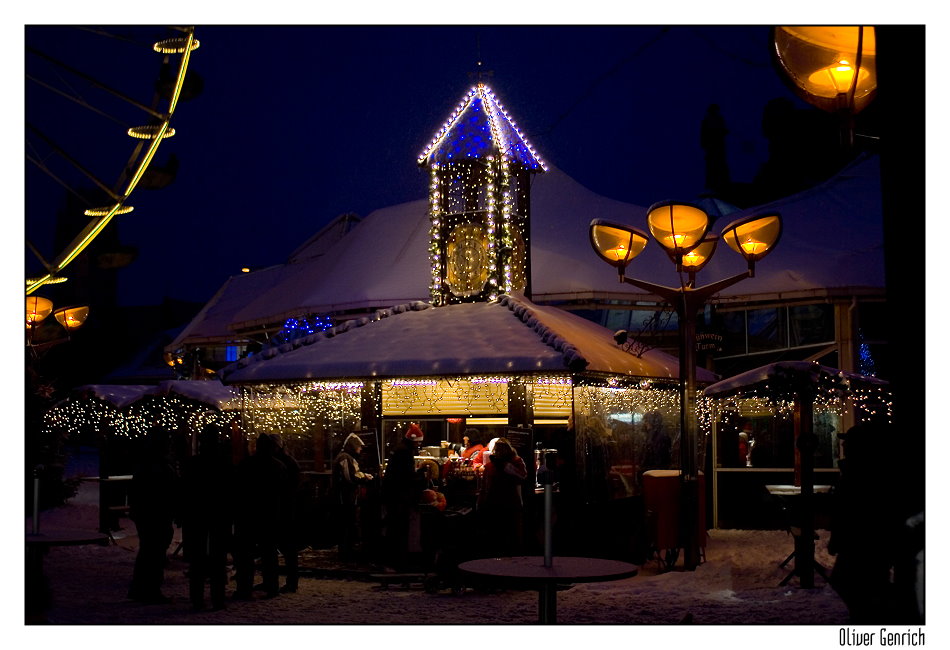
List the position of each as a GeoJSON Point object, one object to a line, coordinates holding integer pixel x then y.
{"type": "Point", "coordinates": [752, 246]}
{"type": "Point", "coordinates": [838, 76]}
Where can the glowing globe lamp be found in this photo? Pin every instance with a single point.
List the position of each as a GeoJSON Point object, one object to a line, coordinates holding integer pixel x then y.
{"type": "Point", "coordinates": [753, 236]}
{"type": "Point", "coordinates": [696, 259]}
{"type": "Point", "coordinates": [677, 227]}
{"type": "Point", "coordinates": [833, 68]}
{"type": "Point", "coordinates": [37, 308]}
{"type": "Point", "coordinates": [71, 317]}
{"type": "Point", "coordinates": [616, 243]}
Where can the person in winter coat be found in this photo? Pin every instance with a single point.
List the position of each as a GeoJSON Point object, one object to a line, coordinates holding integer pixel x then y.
{"type": "Point", "coordinates": [865, 528]}
{"type": "Point", "coordinates": [347, 481]}
{"type": "Point", "coordinates": [262, 493]}
{"type": "Point", "coordinates": [402, 486]}
{"type": "Point", "coordinates": [207, 517]}
{"type": "Point", "coordinates": [153, 501]}
{"type": "Point", "coordinates": [288, 542]}
{"type": "Point", "coordinates": [499, 504]}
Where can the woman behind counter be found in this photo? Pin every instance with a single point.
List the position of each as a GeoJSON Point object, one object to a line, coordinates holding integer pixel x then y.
{"type": "Point", "coordinates": [499, 504]}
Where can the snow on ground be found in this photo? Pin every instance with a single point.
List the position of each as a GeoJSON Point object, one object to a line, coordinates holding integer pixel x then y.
{"type": "Point", "coordinates": [736, 586]}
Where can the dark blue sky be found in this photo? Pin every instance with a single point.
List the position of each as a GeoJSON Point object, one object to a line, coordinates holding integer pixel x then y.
{"type": "Point", "coordinates": [299, 124]}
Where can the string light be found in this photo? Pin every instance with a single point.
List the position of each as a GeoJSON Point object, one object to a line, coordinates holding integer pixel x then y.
{"type": "Point", "coordinates": [478, 240]}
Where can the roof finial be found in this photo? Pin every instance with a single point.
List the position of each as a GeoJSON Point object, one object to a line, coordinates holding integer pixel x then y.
{"type": "Point", "coordinates": [479, 74]}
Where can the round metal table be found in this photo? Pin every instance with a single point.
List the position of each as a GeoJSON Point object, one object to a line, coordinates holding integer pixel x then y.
{"type": "Point", "coordinates": [37, 544]}
{"type": "Point", "coordinates": [529, 572]}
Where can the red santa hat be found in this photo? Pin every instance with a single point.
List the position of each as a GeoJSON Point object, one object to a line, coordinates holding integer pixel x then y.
{"type": "Point", "coordinates": [414, 433]}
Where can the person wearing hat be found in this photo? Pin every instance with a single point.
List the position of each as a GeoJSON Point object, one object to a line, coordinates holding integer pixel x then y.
{"type": "Point", "coordinates": [414, 436]}
{"type": "Point", "coordinates": [347, 480]}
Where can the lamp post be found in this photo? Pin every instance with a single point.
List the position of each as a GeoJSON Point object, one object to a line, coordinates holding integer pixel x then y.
{"type": "Point", "coordinates": [682, 230]}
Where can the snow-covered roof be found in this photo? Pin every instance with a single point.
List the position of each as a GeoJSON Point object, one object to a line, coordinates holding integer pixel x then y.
{"type": "Point", "coordinates": [788, 374]}
{"type": "Point", "coordinates": [510, 336]}
{"type": "Point", "coordinates": [832, 239]}
{"type": "Point", "coordinates": [478, 128]}
{"type": "Point", "coordinates": [211, 392]}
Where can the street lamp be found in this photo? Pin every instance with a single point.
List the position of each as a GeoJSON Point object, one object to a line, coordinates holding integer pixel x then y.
{"type": "Point", "coordinates": [39, 308]}
{"type": "Point", "coordinates": [682, 230]}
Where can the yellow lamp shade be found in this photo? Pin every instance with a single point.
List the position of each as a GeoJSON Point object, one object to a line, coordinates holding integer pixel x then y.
{"type": "Point", "coordinates": [753, 236]}
{"type": "Point", "coordinates": [677, 227]}
{"type": "Point", "coordinates": [616, 243]}
{"type": "Point", "coordinates": [825, 67]}
{"type": "Point", "coordinates": [37, 308]}
{"type": "Point", "coordinates": [696, 259]}
{"type": "Point", "coordinates": [71, 317]}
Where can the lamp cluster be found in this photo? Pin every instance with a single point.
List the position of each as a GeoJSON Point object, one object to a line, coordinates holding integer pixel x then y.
{"type": "Point", "coordinates": [39, 308]}
{"type": "Point", "coordinates": [682, 230]}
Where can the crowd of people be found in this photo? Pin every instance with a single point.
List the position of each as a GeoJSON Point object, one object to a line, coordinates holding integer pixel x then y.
{"type": "Point", "coordinates": [251, 512]}
{"type": "Point", "coordinates": [248, 510]}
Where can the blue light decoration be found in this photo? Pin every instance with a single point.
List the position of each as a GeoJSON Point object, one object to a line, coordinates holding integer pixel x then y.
{"type": "Point", "coordinates": [479, 164]}
{"type": "Point", "coordinates": [866, 365]}
{"type": "Point", "coordinates": [478, 128]}
{"type": "Point", "coordinates": [294, 328]}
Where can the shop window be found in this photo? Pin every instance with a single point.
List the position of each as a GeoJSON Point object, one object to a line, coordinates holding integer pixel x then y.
{"type": "Point", "coordinates": [767, 329]}
{"type": "Point", "coordinates": [617, 319]}
{"type": "Point", "coordinates": [733, 332]}
{"type": "Point", "coordinates": [811, 324]}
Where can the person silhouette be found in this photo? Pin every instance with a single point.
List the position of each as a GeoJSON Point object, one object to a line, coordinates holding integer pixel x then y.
{"type": "Point", "coordinates": [402, 486]}
{"type": "Point", "coordinates": [153, 501]}
{"type": "Point", "coordinates": [207, 517]}
{"type": "Point", "coordinates": [499, 504]}
{"type": "Point", "coordinates": [288, 542]}
{"type": "Point", "coordinates": [261, 490]}
{"type": "Point", "coordinates": [865, 527]}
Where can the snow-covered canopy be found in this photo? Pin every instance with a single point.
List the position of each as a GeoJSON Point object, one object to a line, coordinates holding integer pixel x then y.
{"type": "Point", "coordinates": [788, 375]}
{"type": "Point", "coordinates": [211, 392]}
{"type": "Point", "coordinates": [511, 336]}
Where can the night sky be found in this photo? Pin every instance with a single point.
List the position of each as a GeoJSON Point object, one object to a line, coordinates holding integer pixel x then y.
{"type": "Point", "coordinates": [298, 124]}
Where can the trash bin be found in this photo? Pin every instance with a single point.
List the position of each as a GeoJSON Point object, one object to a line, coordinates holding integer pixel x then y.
{"type": "Point", "coordinates": [662, 500]}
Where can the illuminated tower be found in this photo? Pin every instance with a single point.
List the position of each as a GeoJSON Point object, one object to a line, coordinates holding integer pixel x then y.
{"type": "Point", "coordinates": [479, 203]}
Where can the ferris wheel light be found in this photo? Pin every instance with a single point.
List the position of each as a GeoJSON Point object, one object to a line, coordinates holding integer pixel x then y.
{"type": "Point", "coordinates": [150, 132]}
{"type": "Point", "coordinates": [175, 46]}
{"type": "Point", "coordinates": [101, 212]}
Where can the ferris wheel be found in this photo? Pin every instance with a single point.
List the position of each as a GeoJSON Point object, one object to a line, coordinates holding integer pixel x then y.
{"type": "Point", "coordinates": [96, 111]}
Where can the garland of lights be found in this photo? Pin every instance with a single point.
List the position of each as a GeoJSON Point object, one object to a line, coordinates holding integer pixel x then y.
{"type": "Point", "coordinates": [295, 328]}
{"type": "Point", "coordinates": [73, 416]}
{"type": "Point", "coordinates": [471, 205]}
